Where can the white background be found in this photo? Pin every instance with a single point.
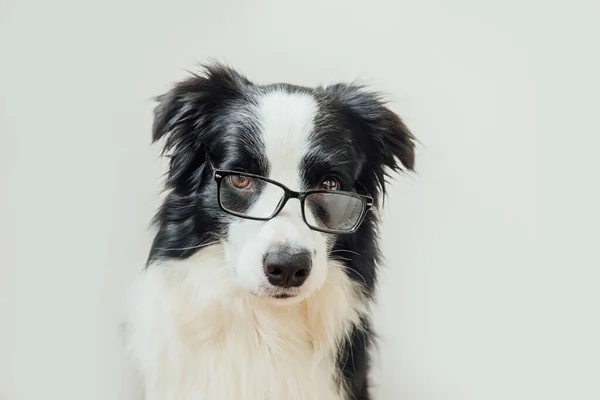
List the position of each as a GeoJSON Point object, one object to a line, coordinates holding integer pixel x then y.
{"type": "Point", "coordinates": [474, 302]}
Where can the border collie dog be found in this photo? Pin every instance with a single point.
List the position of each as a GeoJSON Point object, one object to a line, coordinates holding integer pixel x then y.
{"type": "Point", "coordinates": [259, 281]}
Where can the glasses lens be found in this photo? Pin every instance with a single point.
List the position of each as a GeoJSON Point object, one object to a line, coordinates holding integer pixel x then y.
{"type": "Point", "coordinates": [249, 196]}
{"type": "Point", "coordinates": [335, 211]}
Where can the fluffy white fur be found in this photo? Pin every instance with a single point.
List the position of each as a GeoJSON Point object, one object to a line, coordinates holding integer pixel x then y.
{"type": "Point", "coordinates": [195, 334]}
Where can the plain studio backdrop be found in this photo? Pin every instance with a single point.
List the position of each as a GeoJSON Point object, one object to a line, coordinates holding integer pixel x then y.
{"type": "Point", "coordinates": [467, 310]}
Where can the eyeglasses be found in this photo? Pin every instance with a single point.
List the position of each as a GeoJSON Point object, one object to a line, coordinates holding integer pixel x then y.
{"type": "Point", "coordinates": [258, 198]}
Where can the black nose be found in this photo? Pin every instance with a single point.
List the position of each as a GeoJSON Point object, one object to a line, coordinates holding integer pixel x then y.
{"type": "Point", "coordinates": [287, 267]}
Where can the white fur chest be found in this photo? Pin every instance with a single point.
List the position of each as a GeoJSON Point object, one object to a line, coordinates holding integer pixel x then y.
{"type": "Point", "coordinates": [193, 335]}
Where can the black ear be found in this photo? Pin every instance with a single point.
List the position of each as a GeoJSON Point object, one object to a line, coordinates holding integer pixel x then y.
{"type": "Point", "coordinates": [396, 141]}
{"type": "Point", "coordinates": [186, 116]}
{"type": "Point", "coordinates": [392, 140]}
{"type": "Point", "coordinates": [189, 105]}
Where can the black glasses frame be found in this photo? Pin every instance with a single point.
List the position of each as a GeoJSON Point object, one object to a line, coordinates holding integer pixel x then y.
{"type": "Point", "coordinates": [367, 201]}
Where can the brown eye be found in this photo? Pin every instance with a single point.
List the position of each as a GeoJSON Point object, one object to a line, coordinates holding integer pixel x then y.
{"type": "Point", "coordinates": [239, 181]}
{"type": "Point", "coordinates": [330, 184]}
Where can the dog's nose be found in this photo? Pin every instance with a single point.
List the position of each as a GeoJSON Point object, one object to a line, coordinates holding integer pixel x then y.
{"type": "Point", "coordinates": [287, 267]}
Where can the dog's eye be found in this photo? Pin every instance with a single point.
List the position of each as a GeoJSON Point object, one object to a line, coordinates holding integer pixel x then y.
{"type": "Point", "coordinates": [330, 184]}
{"type": "Point", "coordinates": [239, 181]}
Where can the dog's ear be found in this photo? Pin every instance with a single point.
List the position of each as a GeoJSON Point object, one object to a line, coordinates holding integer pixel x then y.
{"type": "Point", "coordinates": [392, 139]}
{"type": "Point", "coordinates": [381, 131]}
{"type": "Point", "coordinates": [185, 116]}
{"type": "Point", "coordinates": [190, 104]}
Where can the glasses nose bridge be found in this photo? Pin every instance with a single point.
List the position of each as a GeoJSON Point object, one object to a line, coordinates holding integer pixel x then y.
{"type": "Point", "coordinates": [289, 195]}
{"type": "Point", "coordinates": [292, 194]}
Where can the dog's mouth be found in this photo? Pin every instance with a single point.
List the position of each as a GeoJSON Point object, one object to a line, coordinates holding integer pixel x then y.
{"type": "Point", "coordinates": [282, 295]}
{"type": "Point", "coordinates": [279, 295]}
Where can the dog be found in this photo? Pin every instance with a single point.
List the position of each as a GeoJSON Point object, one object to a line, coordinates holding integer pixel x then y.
{"type": "Point", "coordinates": [261, 274]}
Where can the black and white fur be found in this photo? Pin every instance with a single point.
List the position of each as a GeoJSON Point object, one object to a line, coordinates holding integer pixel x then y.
{"type": "Point", "coordinates": [203, 323]}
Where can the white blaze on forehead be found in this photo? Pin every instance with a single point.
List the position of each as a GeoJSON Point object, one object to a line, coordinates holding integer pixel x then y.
{"type": "Point", "coordinates": [286, 121]}
{"type": "Point", "coordinates": [285, 125]}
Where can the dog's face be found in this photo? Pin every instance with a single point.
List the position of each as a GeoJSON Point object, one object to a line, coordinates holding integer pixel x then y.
{"type": "Point", "coordinates": [339, 138]}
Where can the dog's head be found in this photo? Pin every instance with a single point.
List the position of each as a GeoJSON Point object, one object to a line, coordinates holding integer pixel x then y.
{"type": "Point", "coordinates": [282, 176]}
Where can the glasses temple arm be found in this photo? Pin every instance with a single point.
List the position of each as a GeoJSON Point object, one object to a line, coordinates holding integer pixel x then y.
{"type": "Point", "coordinates": [208, 160]}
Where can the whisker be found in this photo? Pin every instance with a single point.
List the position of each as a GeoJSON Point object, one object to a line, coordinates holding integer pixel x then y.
{"type": "Point", "coordinates": [357, 273]}
{"type": "Point", "coordinates": [346, 251]}
{"type": "Point", "coordinates": [188, 248]}
{"type": "Point", "coordinates": [340, 258]}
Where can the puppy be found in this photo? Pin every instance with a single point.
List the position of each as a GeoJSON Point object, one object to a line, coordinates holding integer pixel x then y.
{"type": "Point", "coordinates": [264, 263]}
